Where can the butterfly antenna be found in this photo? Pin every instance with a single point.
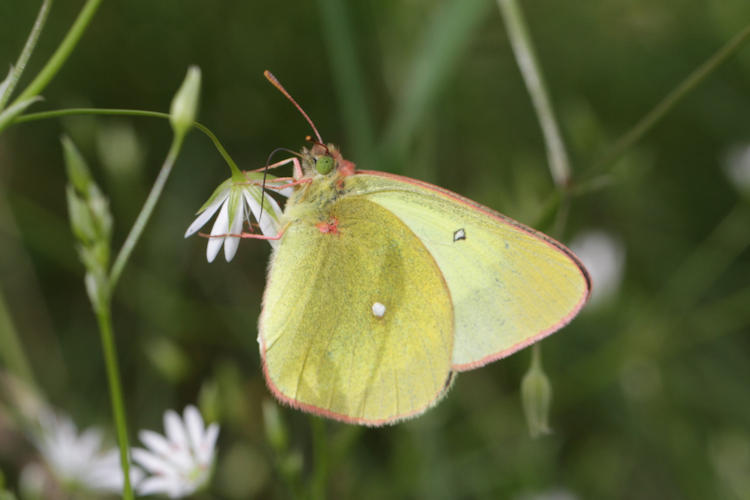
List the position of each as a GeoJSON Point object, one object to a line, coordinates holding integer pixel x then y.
{"type": "Point", "coordinates": [309, 138]}
{"type": "Point", "coordinates": [269, 76]}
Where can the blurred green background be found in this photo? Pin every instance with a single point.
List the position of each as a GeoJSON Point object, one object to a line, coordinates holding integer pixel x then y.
{"type": "Point", "coordinates": [651, 395]}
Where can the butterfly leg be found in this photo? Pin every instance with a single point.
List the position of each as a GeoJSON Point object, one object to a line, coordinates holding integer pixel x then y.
{"type": "Point", "coordinates": [254, 236]}
{"type": "Point", "coordinates": [297, 168]}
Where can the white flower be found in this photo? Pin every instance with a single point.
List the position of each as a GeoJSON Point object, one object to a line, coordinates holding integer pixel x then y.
{"type": "Point", "coordinates": [604, 257]}
{"type": "Point", "coordinates": [181, 462]}
{"type": "Point", "coordinates": [235, 201]}
{"type": "Point", "coordinates": [76, 459]}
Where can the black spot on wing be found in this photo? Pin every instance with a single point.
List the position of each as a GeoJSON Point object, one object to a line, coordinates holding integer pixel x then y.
{"type": "Point", "coordinates": [459, 234]}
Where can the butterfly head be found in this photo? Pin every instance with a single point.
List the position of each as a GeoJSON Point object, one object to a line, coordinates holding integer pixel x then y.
{"type": "Point", "coordinates": [325, 160]}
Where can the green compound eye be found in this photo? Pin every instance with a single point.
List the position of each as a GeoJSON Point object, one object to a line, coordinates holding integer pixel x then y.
{"type": "Point", "coordinates": [324, 164]}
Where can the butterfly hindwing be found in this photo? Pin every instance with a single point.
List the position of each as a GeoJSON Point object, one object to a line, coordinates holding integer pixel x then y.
{"type": "Point", "coordinates": [328, 346]}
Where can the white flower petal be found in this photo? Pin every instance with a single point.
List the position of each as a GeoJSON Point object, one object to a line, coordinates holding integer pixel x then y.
{"type": "Point", "coordinates": [155, 442]}
{"type": "Point", "coordinates": [221, 226]}
{"type": "Point", "coordinates": [89, 443]}
{"type": "Point", "coordinates": [231, 243]}
{"type": "Point", "coordinates": [166, 485]}
{"type": "Point", "coordinates": [205, 453]}
{"type": "Point", "coordinates": [77, 458]}
{"type": "Point", "coordinates": [106, 473]}
{"type": "Point", "coordinates": [181, 462]}
{"type": "Point", "coordinates": [194, 425]}
{"type": "Point", "coordinates": [175, 430]}
{"type": "Point", "coordinates": [206, 214]}
{"type": "Point", "coordinates": [270, 221]}
{"type": "Point", "coordinates": [268, 224]}
{"type": "Point", "coordinates": [737, 166]}
{"type": "Point", "coordinates": [278, 187]}
{"type": "Point", "coordinates": [603, 254]}
{"type": "Point", "coordinates": [153, 463]}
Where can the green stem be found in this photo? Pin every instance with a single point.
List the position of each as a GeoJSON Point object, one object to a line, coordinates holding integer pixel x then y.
{"type": "Point", "coordinates": [28, 49]}
{"type": "Point", "coordinates": [11, 353]}
{"type": "Point", "coordinates": [145, 214]}
{"type": "Point", "coordinates": [63, 51]}
{"type": "Point", "coordinates": [104, 315]}
{"type": "Point", "coordinates": [320, 458]}
{"type": "Point", "coordinates": [104, 318]}
{"type": "Point", "coordinates": [537, 411]}
{"type": "Point", "coordinates": [125, 112]}
{"type": "Point", "coordinates": [536, 356]}
{"type": "Point", "coordinates": [657, 113]}
{"type": "Point", "coordinates": [523, 49]}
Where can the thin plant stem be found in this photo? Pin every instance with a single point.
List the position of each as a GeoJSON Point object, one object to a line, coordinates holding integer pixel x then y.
{"type": "Point", "coordinates": [104, 317]}
{"type": "Point", "coordinates": [670, 100]}
{"type": "Point", "coordinates": [63, 51]}
{"type": "Point", "coordinates": [125, 112]}
{"type": "Point", "coordinates": [557, 157]}
{"type": "Point", "coordinates": [523, 49]}
{"type": "Point", "coordinates": [536, 356]}
{"type": "Point", "coordinates": [11, 353]}
{"type": "Point", "coordinates": [145, 214]}
{"type": "Point", "coordinates": [26, 52]}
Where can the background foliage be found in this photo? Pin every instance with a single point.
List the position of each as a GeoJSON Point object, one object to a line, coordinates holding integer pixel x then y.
{"type": "Point", "coordinates": [650, 388]}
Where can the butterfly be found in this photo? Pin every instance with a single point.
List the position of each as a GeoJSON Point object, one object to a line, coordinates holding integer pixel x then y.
{"type": "Point", "coordinates": [381, 288]}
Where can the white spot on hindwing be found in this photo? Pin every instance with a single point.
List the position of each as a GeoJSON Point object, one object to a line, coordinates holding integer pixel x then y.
{"type": "Point", "coordinates": [378, 310]}
{"type": "Point", "coordinates": [459, 234]}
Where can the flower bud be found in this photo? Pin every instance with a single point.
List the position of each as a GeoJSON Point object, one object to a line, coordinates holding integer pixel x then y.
{"type": "Point", "coordinates": [184, 107]}
{"type": "Point", "coordinates": [275, 430]}
{"type": "Point", "coordinates": [99, 207]}
{"type": "Point", "coordinates": [75, 165]}
{"type": "Point", "coordinates": [80, 217]}
{"type": "Point", "coordinates": [536, 396]}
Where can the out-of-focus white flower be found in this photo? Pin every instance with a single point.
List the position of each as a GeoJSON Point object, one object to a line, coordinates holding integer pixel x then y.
{"type": "Point", "coordinates": [736, 165]}
{"type": "Point", "coordinates": [604, 257]}
{"type": "Point", "coordinates": [32, 481]}
{"type": "Point", "coordinates": [235, 201]}
{"type": "Point", "coordinates": [181, 462]}
{"type": "Point", "coordinates": [77, 459]}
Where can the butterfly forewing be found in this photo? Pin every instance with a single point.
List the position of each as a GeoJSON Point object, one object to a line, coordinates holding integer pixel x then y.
{"type": "Point", "coordinates": [510, 285]}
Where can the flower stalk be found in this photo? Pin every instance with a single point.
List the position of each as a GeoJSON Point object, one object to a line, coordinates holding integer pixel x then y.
{"type": "Point", "coordinates": [92, 224]}
{"type": "Point", "coordinates": [62, 53]}
{"type": "Point", "coordinates": [523, 49]}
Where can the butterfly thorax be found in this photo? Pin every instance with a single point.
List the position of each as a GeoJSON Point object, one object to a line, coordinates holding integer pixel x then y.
{"type": "Point", "coordinates": [312, 201]}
